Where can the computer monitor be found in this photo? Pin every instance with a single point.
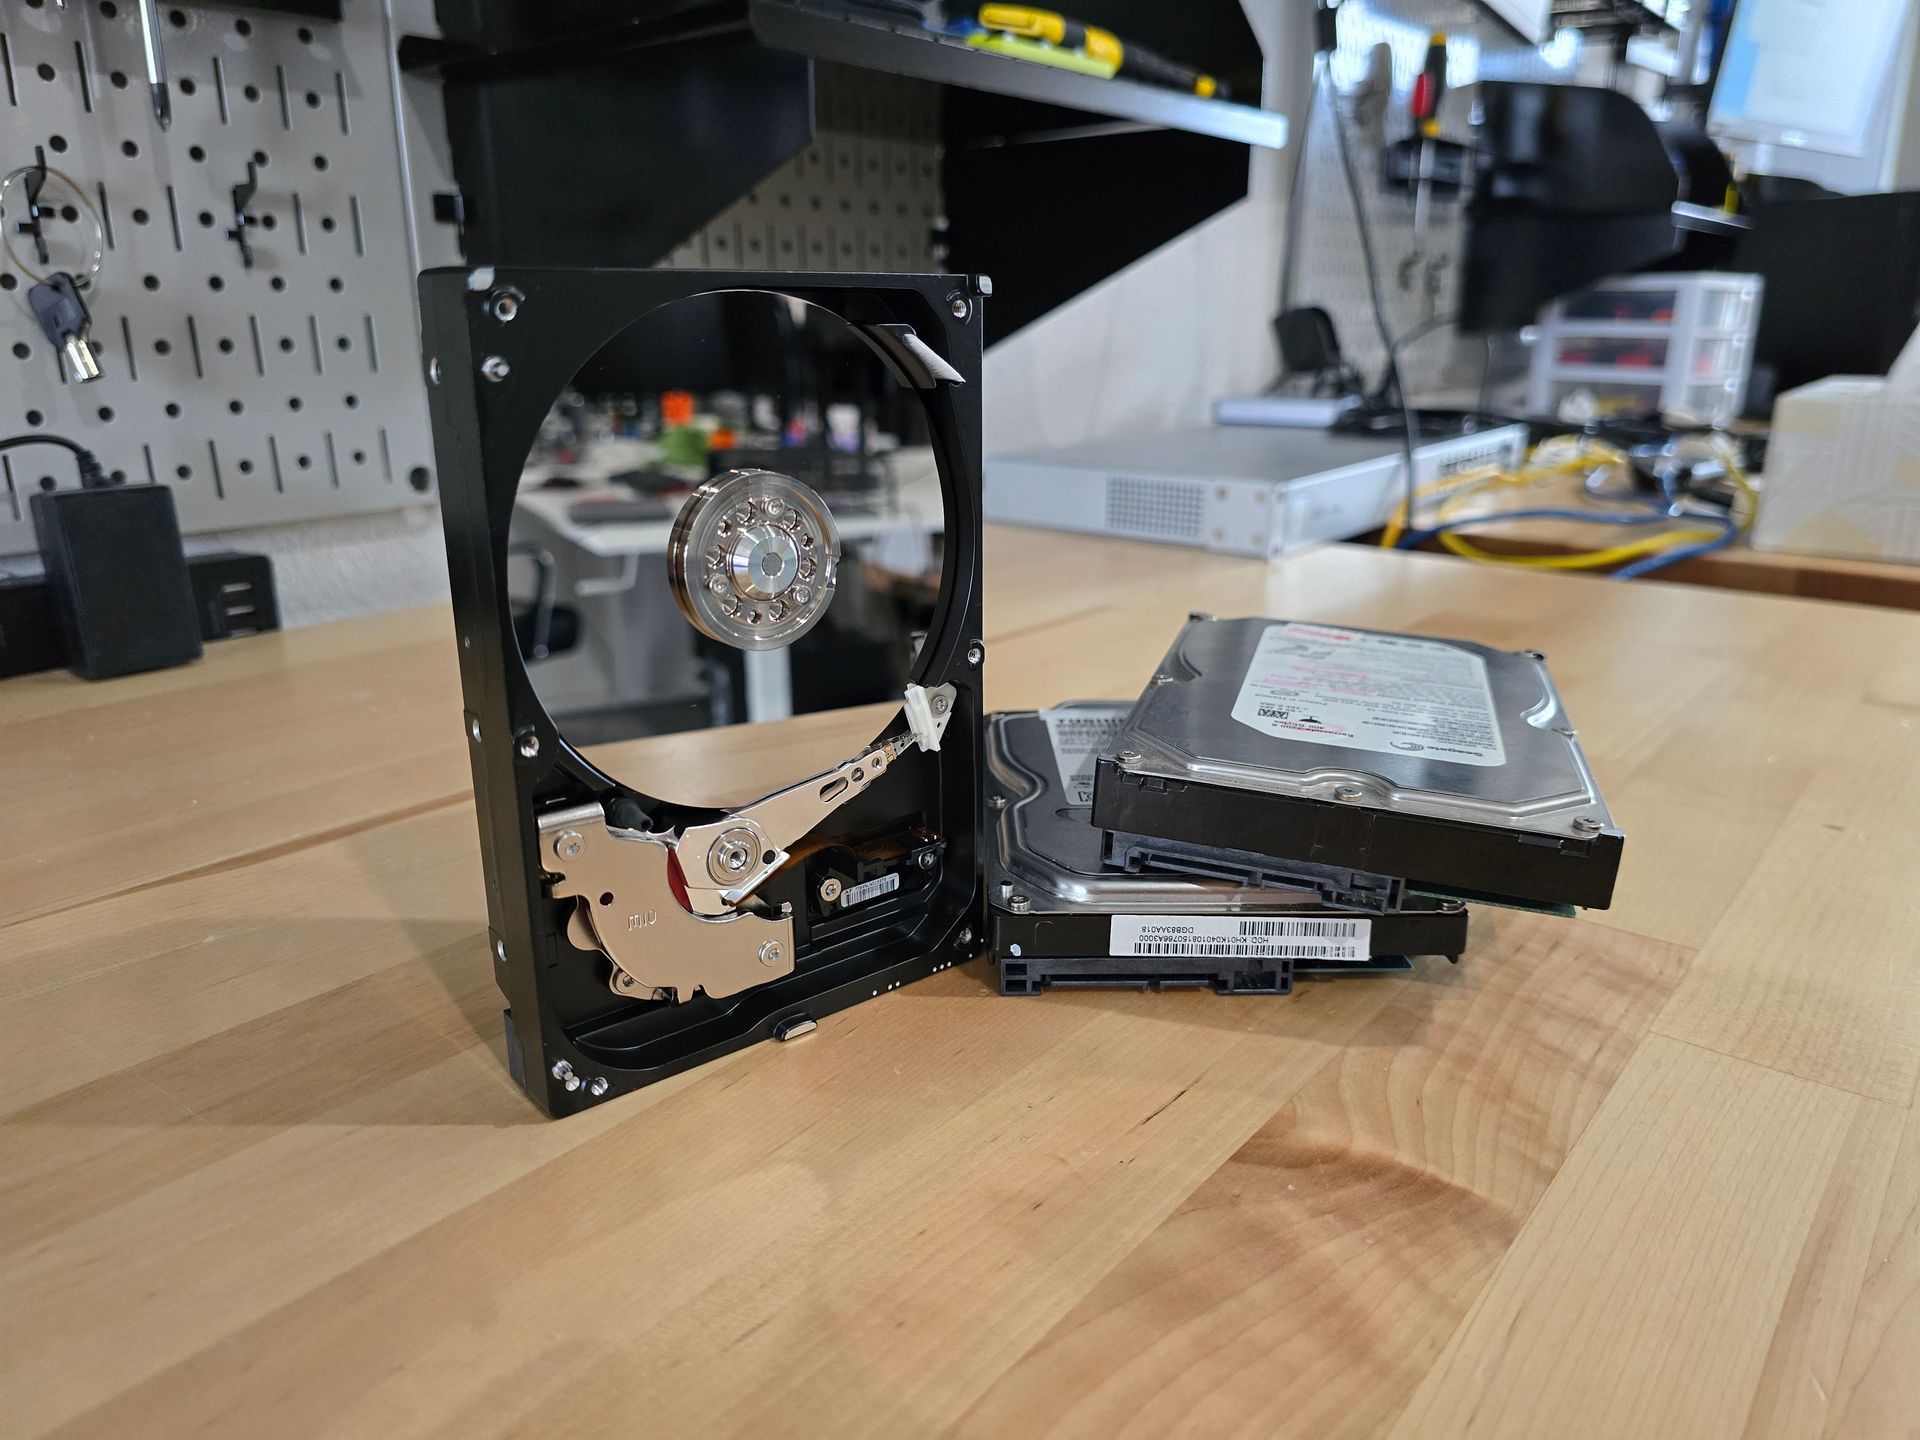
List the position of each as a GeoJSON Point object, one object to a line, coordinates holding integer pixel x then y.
{"type": "Point", "coordinates": [1805, 73]}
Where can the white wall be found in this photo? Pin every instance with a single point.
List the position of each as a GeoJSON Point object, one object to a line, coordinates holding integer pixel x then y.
{"type": "Point", "coordinates": [1150, 348]}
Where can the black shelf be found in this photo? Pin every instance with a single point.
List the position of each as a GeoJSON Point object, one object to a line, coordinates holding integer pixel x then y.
{"type": "Point", "coordinates": [801, 29]}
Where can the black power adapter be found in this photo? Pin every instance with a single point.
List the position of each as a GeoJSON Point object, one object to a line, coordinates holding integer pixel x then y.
{"type": "Point", "coordinates": [116, 571]}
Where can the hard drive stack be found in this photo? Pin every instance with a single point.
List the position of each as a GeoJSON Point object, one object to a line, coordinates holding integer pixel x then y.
{"type": "Point", "coordinates": [1282, 800]}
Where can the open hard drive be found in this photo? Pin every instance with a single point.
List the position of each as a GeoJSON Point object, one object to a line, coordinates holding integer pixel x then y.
{"type": "Point", "coordinates": [721, 664]}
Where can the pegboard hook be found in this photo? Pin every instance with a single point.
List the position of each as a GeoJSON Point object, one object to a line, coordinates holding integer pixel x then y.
{"type": "Point", "coordinates": [34, 177]}
{"type": "Point", "coordinates": [242, 198]}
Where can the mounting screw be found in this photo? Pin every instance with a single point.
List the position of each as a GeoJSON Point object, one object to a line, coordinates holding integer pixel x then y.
{"type": "Point", "coordinates": [927, 860]}
{"type": "Point", "coordinates": [504, 304]}
{"type": "Point", "coordinates": [1452, 907]}
{"type": "Point", "coordinates": [561, 1070]}
{"type": "Point", "coordinates": [1128, 757]}
{"type": "Point", "coordinates": [1587, 825]}
{"type": "Point", "coordinates": [1163, 679]}
{"type": "Point", "coordinates": [568, 844]}
{"type": "Point", "coordinates": [830, 890]}
{"type": "Point", "coordinates": [1346, 792]}
{"type": "Point", "coordinates": [771, 954]}
{"type": "Point", "coordinates": [983, 285]}
{"type": "Point", "coordinates": [1533, 654]}
{"type": "Point", "coordinates": [473, 728]}
{"type": "Point", "coordinates": [599, 1087]}
{"type": "Point", "coordinates": [1197, 616]}
{"type": "Point", "coordinates": [433, 369]}
{"type": "Point", "coordinates": [959, 305]}
{"type": "Point", "coordinates": [734, 855]}
{"type": "Point", "coordinates": [1006, 890]}
{"type": "Point", "coordinates": [998, 802]}
{"type": "Point", "coordinates": [1566, 730]}
{"type": "Point", "coordinates": [963, 940]}
{"type": "Point", "coordinates": [500, 951]}
{"type": "Point", "coordinates": [1019, 904]}
{"type": "Point", "coordinates": [976, 652]}
{"type": "Point", "coordinates": [495, 368]}
{"type": "Point", "coordinates": [480, 278]}
{"type": "Point", "coordinates": [528, 745]}
{"type": "Point", "coordinates": [938, 704]}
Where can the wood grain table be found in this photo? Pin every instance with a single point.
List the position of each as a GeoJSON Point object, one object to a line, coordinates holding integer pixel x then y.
{"type": "Point", "coordinates": [1650, 1172]}
{"type": "Point", "coordinates": [1738, 567]}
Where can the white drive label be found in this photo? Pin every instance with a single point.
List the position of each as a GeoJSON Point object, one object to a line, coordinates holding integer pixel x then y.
{"type": "Point", "coordinates": [1381, 693]}
{"type": "Point", "coordinates": [1080, 736]}
{"type": "Point", "coordinates": [1240, 937]}
{"type": "Point", "coordinates": [868, 889]}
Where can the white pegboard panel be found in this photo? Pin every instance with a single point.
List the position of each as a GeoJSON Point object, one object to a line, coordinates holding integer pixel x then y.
{"type": "Point", "coordinates": [284, 391]}
{"type": "Point", "coordinates": [863, 195]}
{"type": "Point", "coordinates": [1419, 270]}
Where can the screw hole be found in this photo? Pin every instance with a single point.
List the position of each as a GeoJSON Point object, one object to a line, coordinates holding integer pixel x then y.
{"type": "Point", "coordinates": [47, 482]}
{"type": "Point", "coordinates": [105, 412]}
{"type": "Point", "coordinates": [313, 100]}
{"type": "Point", "coordinates": [162, 347]}
{"type": "Point", "coordinates": [344, 343]}
{"type": "Point", "coordinates": [252, 92]}
{"type": "Point", "coordinates": [235, 407]}
{"type": "Point", "coordinates": [22, 351]}
{"type": "Point", "coordinates": [118, 78]}
{"type": "Point", "coordinates": [243, 27]}
{"type": "Point", "coordinates": [278, 282]}
{"type": "Point", "coordinates": [336, 284]}
{"type": "Point", "coordinates": [319, 162]}
{"type": "Point", "coordinates": [606, 897]}
{"type": "Point", "coordinates": [55, 143]}
{"type": "Point", "coordinates": [214, 282]}
{"type": "Point", "coordinates": [286, 344]}
{"type": "Point", "coordinates": [173, 410]}
{"type": "Point", "coordinates": [187, 87]}
{"type": "Point", "coordinates": [326, 223]}
{"type": "Point", "coordinates": [225, 345]}
{"type": "Point", "coordinates": [140, 217]}
{"type": "Point", "coordinates": [359, 457]}
{"type": "Point", "coordinates": [129, 149]}
{"type": "Point", "coordinates": [196, 153]}
{"type": "Point", "coordinates": [306, 35]}
{"type": "Point", "coordinates": [206, 218]}
{"type": "Point", "coordinates": [7, 282]}
{"type": "Point", "coordinates": [246, 467]}
{"type": "Point", "coordinates": [766, 857]}
{"type": "Point", "coordinates": [183, 472]}
{"type": "Point", "coordinates": [45, 72]}
{"type": "Point", "coordinates": [293, 402]}
{"type": "Point", "coordinates": [302, 461]}
{"type": "Point", "coordinates": [260, 158]}
{"type": "Point", "coordinates": [151, 282]}
{"type": "Point", "coordinates": [353, 402]}
{"type": "Point", "coordinates": [34, 417]}
{"type": "Point", "coordinates": [420, 478]}
{"type": "Point", "coordinates": [177, 18]}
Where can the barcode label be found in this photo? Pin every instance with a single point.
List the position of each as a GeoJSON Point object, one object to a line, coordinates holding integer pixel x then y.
{"type": "Point", "coordinates": [1228, 937]}
{"type": "Point", "coordinates": [870, 889]}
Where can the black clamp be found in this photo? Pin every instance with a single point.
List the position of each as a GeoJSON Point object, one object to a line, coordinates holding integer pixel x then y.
{"type": "Point", "coordinates": [242, 198]}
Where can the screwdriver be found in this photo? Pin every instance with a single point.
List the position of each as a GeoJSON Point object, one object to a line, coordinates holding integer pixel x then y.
{"type": "Point", "coordinates": [156, 63]}
{"type": "Point", "coordinates": [1130, 62]}
{"type": "Point", "coordinates": [1424, 109]}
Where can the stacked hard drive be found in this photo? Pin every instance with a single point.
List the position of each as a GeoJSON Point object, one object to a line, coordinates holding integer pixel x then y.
{"type": "Point", "coordinates": [1286, 799]}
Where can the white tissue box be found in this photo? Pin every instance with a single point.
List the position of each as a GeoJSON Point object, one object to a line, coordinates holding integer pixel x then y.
{"type": "Point", "coordinates": [1843, 467]}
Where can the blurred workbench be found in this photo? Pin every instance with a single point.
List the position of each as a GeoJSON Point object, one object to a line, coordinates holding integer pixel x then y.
{"type": "Point", "coordinates": [1650, 1172]}
{"type": "Point", "coordinates": [1738, 567]}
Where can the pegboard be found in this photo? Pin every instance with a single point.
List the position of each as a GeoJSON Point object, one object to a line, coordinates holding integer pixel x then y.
{"type": "Point", "coordinates": [1419, 270]}
{"type": "Point", "coordinates": [864, 194]}
{"type": "Point", "coordinates": [285, 391]}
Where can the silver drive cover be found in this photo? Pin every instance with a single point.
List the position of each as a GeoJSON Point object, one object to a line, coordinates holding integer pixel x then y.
{"type": "Point", "coordinates": [1448, 763]}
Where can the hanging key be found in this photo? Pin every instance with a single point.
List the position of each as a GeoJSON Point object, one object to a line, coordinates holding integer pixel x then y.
{"type": "Point", "coordinates": [63, 315]}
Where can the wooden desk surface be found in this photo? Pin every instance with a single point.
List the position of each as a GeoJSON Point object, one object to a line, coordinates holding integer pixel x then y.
{"type": "Point", "coordinates": [1651, 1172]}
{"type": "Point", "coordinates": [1738, 567]}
